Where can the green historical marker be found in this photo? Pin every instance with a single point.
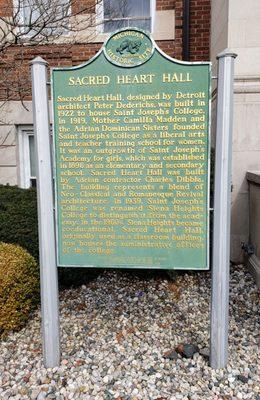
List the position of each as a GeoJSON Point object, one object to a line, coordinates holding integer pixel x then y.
{"type": "Point", "coordinates": [131, 138]}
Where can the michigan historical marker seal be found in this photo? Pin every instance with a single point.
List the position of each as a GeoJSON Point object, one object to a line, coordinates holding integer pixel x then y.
{"type": "Point", "coordinates": [129, 48]}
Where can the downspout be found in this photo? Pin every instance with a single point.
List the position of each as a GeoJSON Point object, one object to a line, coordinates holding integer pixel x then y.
{"type": "Point", "coordinates": [186, 31]}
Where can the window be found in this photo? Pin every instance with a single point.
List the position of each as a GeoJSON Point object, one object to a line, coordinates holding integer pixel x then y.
{"type": "Point", "coordinates": [43, 17]}
{"type": "Point", "coordinates": [125, 13]}
{"type": "Point", "coordinates": [27, 157]}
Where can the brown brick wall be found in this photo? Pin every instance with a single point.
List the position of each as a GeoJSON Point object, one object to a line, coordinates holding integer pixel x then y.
{"type": "Point", "coordinates": [6, 8]}
{"type": "Point", "coordinates": [83, 6]}
{"type": "Point", "coordinates": [199, 30]}
{"type": "Point", "coordinates": [172, 48]}
{"type": "Point", "coordinates": [165, 4]}
{"type": "Point", "coordinates": [178, 29]}
{"type": "Point", "coordinates": [14, 62]}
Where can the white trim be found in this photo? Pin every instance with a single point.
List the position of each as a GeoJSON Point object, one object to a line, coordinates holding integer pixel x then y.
{"type": "Point", "coordinates": [247, 84]}
{"type": "Point", "coordinates": [99, 12]}
{"type": "Point", "coordinates": [152, 14]}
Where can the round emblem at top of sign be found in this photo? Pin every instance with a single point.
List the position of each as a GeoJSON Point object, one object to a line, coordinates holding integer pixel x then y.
{"type": "Point", "coordinates": [129, 47]}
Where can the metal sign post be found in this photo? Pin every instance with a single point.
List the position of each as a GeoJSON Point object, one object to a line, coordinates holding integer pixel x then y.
{"type": "Point", "coordinates": [48, 268]}
{"type": "Point", "coordinates": [222, 200]}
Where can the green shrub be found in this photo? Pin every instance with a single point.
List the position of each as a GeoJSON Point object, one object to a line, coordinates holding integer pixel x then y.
{"type": "Point", "coordinates": [19, 287]}
{"type": "Point", "coordinates": [18, 218]}
{"type": "Point", "coordinates": [19, 225]}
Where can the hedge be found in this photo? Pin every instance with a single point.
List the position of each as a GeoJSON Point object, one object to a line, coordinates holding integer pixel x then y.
{"type": "Point", "coordinates": [18, 218]}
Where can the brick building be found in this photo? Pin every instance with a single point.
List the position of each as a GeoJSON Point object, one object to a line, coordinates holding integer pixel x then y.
{"type": "Point", "coordinates": [164, 18]}
{"type": "Point", "coordinates": [194, 30]}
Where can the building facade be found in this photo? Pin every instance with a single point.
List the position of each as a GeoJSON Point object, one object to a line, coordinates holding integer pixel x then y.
{"type": "Point", "coordinates": [165, 20]}
{"type": "Point", "coordinates": [194, 30]}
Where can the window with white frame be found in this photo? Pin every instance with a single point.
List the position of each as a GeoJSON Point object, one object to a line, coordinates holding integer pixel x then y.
{"type": "Point", "coordinates": [27, 165]}
{"type": "Point", "coordinates": [118, 14]}
{"type": "Point", "coordinates": [42, 17]}
{"type": "Point", "coordinates": [27, 155]}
